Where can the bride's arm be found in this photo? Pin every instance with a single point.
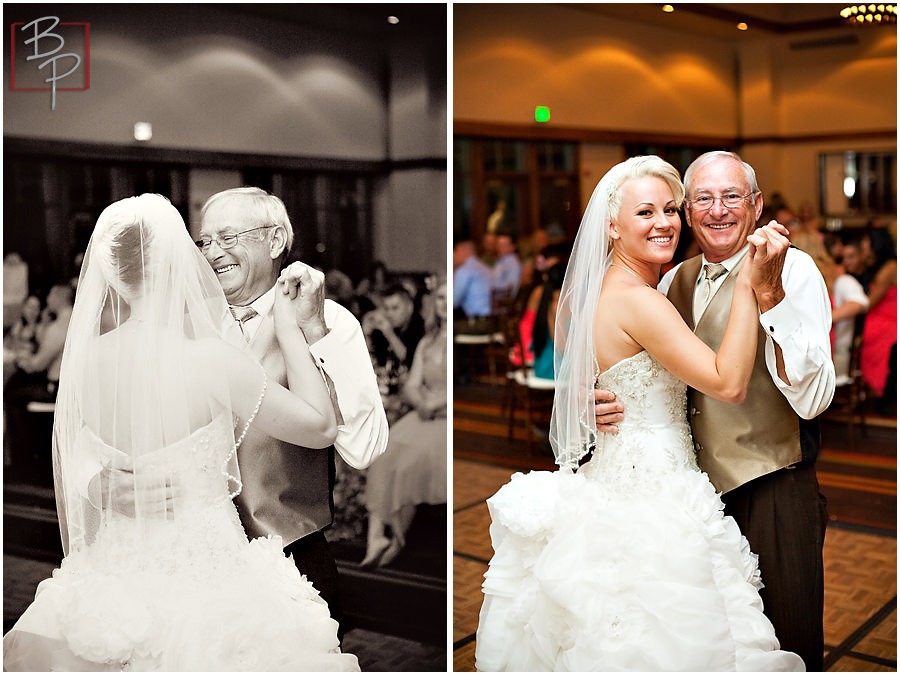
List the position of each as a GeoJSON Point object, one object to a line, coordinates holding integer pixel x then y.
{"type": "Point", "coordinates": [657, 326]}
{"type": "Point", "coordinates": [303, 413]}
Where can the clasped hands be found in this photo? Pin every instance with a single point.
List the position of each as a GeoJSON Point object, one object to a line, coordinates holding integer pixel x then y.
{"type": "Point", "coordinates": [300, 297]}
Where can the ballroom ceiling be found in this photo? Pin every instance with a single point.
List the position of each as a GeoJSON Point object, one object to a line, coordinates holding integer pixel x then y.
{"type": "Point", "coordinates": [720, 19]}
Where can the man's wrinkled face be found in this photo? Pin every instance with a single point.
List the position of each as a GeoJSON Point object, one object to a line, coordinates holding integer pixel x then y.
{"type": "Point", "coordinates": [245, 271]}
{"type": "Point", "coordinates": [721, 231]}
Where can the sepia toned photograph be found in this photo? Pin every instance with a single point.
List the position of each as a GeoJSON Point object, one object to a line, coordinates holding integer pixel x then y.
{"type": "Point", "coordinates": [674, 336]}
{"type": "Point", "coordinates": [225, 337]}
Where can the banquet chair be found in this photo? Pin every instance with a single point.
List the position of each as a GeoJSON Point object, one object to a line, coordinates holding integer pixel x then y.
{"type": "Point", "coordinates": [851, 396]}
{"type": "Point", "coordinates": [524, 390]}
{"type": "Point", "coordinates": [491, 342]}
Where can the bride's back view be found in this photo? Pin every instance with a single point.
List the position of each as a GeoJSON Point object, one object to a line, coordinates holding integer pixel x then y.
{"type": "Point", "coordinates": [135, 376]}
{"type": "Point", "coordinates": [158, 573]}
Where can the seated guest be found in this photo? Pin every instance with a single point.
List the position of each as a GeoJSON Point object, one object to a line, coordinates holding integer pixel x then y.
{"type": "Point", "coordinates": [488, 253]}
{"type": "Point", "coordinates": [392, 333]}
{"type": "Point", "coordinates": [848, 300]}
{"type": "Point", "coordinates": [413, 469]}
{"type": "Point", "coordinates": [22, 338]}
{"type": "Point", "coordinates": [471, 285]}
{"type": "Point", "coordinates": [853, 261]}
{"type": "Point", "coordinates": [550, 269]}
{"type": "Point", "coordinates": [394, 330]}
{"type": "Point", "coordinates": [506, 274]}
{"type": "Point", "coordinates": [545, 321]}
{"type": "Point", "coordinates": [528, 252]}
{"type": "Point", "coordinates": [37, 379]}
{"type": "Point", "coordinates": [52, 338]}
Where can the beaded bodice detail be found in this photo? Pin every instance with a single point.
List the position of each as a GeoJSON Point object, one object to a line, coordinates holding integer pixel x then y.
{"type": "Point", "coordinates": [654, 438]}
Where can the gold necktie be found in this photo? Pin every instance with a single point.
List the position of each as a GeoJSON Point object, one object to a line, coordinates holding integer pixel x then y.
{"type": "Point", "coordinates": [712, 272]}
{"type": "Point", "coordinates": [242, 314]}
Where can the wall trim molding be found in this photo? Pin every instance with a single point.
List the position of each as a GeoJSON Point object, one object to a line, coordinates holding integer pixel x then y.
{"type": "Point", "coordinates": [613, 136]}
{"type": "Point", "coordinates": [74, 150]}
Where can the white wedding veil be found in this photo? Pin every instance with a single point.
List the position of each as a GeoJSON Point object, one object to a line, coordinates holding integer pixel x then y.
{"type": "Point", "coordinates": [573, 427]}
{"type": "Point", "coordinates": [133, 389]}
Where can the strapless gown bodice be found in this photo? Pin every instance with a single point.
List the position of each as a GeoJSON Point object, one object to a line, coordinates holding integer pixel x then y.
{"type": "Point", "coordinates": [654, 439]}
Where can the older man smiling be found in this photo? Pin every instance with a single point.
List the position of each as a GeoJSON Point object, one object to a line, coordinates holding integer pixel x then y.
{"type": "Point", "coordinates": [245, 235]}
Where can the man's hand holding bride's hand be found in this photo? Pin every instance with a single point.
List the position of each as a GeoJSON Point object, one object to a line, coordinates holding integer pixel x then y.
{"type": "Point", "coordinates": [304, 286]}
{"type": "Point", "coordinates": [768, 249]}
{"type": "Point", "coordinates": [117, 491]}
{"type": "Point", "coordinates": [607, 411]}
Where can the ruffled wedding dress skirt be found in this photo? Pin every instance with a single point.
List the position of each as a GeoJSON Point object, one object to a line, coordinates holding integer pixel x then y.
{"type": "Point", "coordinates": [628, 564]}
{"type": "Point", "coordinates": [191, 595]}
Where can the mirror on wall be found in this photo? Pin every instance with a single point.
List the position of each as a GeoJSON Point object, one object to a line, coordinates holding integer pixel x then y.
{"type": "Point", "coordinates": [857, 185]}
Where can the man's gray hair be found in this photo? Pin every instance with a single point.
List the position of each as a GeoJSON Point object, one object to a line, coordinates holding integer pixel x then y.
{"type": "Point", "coordinates": [708, 157]}
{"type": "Point", "coordinates": [267, 210]}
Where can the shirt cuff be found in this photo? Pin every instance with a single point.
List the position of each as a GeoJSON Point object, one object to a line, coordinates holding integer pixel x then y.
{"type": "Point", "coordinates": [780, 322]}
{"type": "Point", "coordinates": [325, 348]}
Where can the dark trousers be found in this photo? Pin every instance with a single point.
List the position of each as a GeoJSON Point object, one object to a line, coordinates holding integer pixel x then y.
{"type": "Point", "coordinates": [313, 558]}
{"type": "Point", "coordinates": [783, 516]}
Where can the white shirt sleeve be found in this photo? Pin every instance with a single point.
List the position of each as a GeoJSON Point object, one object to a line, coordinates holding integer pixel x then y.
{"type": "Point", "coordinates": [343, 355]}
{"type": "Point", "coordinates": [848, 289]}
{"type": "Point", "coordinates": [799, 324]}
{"type": "Point", "coordinates": [666, 281]}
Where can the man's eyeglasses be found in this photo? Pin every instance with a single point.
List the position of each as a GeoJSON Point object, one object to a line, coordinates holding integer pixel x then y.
{"type": "Point", "coordinates": [729, 200]}
{"type": "Point", "coordinates": [226, 240]}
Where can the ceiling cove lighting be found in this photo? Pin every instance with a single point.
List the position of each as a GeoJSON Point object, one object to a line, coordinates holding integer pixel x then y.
{"type": "Point", "coordinates": [870, 14]}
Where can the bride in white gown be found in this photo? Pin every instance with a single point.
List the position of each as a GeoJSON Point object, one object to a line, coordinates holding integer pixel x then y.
{"type": "Point", "coordinates": [161, 576]}
{"type": "Point", "coordinates": [628, 563]}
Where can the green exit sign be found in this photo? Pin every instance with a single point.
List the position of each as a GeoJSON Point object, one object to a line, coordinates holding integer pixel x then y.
{"type": "Point", "coordinates": [541, 113]}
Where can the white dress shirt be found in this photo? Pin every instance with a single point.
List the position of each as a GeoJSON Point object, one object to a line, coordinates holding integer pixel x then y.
{"type": "Point", "coordinates": [344, 356]}
{"type": "Point", "coordinates": [800, 325]}
{"type": "Point", "coordinates": [845, 289]}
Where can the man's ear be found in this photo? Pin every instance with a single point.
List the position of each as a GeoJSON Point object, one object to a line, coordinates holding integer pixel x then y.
{"type": "Point", "coordinates": [758, 207]}
{"type": "Point", "coordinates": [277, 242]}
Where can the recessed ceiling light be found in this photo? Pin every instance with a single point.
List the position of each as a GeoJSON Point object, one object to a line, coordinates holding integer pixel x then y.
{"type": "Point", "coordinates": [742, 26]}
{"type": "Point", "coordinates": [668, 8]}
{"type": "Point", "coordinates": [393, 19]}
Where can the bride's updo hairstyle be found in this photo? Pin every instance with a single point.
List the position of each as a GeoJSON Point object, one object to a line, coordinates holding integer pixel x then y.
{"type": "Point", "coordinates": [640, 167]}
{"type": "Point", "coordinates": [128, 235]}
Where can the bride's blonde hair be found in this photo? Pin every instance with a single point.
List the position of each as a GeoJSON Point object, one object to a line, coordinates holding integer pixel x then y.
{"type": "Point", "coordinates": [640, 167]}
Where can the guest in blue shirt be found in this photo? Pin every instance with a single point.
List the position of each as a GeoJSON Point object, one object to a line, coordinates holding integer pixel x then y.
{"type": "Point", "coordinates": [507, 271]}
{"type": "Point", "coordinates": [471, 283]}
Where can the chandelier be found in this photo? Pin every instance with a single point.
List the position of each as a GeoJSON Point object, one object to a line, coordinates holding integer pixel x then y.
{"type": "Point", "coordinates": [870, 14]}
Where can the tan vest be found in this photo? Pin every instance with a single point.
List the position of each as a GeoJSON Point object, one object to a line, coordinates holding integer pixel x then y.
{"type": "Point", "coordinates": [287, 488]}
{"type": "Point", "coordinates": [735, 443]}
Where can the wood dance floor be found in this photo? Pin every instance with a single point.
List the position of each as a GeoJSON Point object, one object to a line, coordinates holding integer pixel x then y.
{"type": "Point", "coordinates": [860, 543]}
